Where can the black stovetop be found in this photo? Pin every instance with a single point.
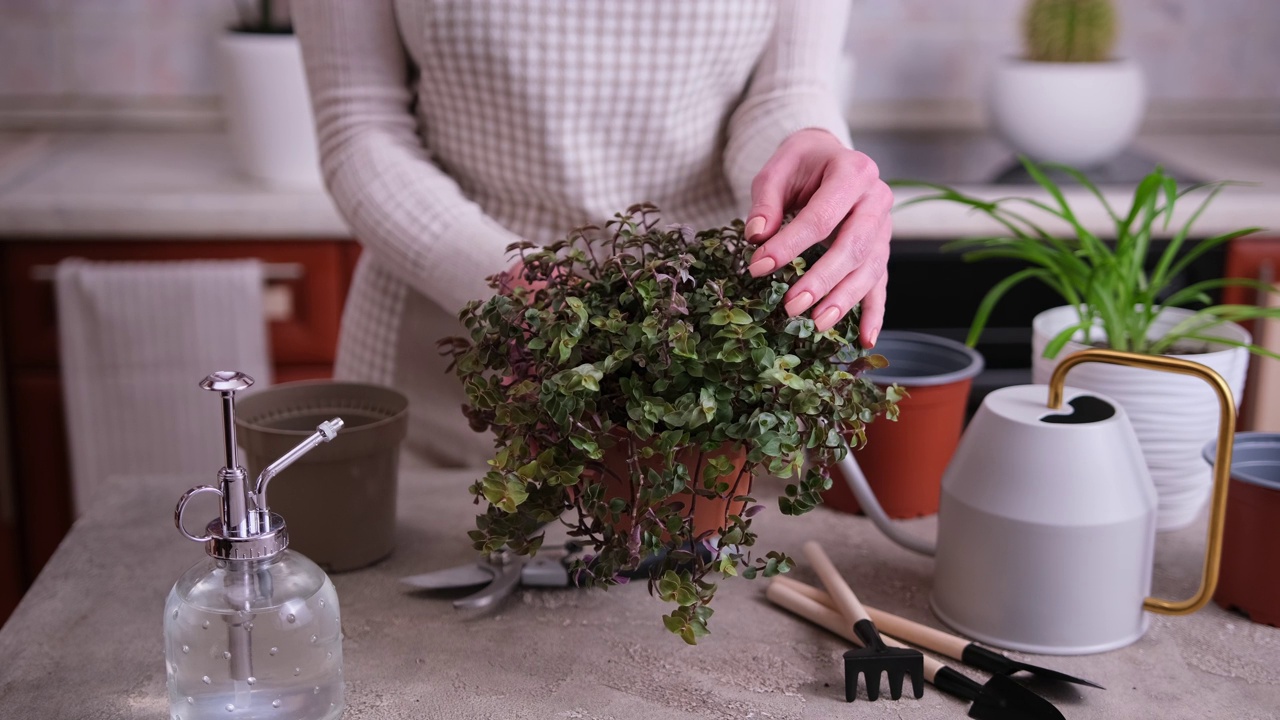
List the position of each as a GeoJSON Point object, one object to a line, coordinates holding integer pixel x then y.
{"type": "Point", "coordinates": [977, 158]}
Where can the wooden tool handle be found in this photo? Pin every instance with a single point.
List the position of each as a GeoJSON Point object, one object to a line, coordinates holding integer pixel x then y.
{"type": "Point", "coordinates": [846, 602]}
{"type": "Point", "coordinates": [913, 632]}
{"type": "Point", "coordinates": [784, 596]}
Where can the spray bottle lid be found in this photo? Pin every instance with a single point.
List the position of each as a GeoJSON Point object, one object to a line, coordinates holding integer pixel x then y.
{"type": "Point", "coordinates": [245, 529]}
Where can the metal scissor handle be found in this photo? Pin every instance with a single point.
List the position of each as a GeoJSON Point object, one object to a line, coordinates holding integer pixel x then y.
{"type": "Point", "coordinates": [507, 567]}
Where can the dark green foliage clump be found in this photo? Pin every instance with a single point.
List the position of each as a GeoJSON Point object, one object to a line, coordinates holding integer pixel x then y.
{"type": "Point", "coordinates": [653, 344]}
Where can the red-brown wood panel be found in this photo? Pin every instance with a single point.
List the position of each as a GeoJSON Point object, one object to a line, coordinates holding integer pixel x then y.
{"type": "Point", "coordinates": [302, 345]}
{"type": "Point", "coordinates": [11, 581]}
{"type": "Point", "coordinates": [1245, 259]}
{"type": "Point", "coordinates": [41, 471]}
{"type": "Point", "coordinates": [309, 336]}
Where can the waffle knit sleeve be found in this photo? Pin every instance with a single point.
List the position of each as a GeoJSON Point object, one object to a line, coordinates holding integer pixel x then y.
{"type": "Point", "coordinates": [790, 89]}
{"type": "Point", "coordinates": [402, 207]}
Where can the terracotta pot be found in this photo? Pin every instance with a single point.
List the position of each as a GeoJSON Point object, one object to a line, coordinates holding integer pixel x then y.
{"type": "Point", "coordinates": [709, 513]}
{"type": "Point", "coordinates": [1251, 538]}
{"type": "Point", "coordinates": [904, 460]}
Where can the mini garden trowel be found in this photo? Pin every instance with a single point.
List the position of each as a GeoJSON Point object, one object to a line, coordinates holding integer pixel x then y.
{"type": "Point", "coordinates": [1000, 698]}
{"type": "Point", "coordinates": [956, 648]}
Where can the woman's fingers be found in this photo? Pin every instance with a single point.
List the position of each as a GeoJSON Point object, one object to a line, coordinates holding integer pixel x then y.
{"type": "Point", "coordinates": [842, 182]}
{"type": "Point", "coordinates": [769, 196]}
{"type": "Point", "coordinates": [832, 189]}
{"type": "Point", "coordinates": [873, 312]}
{"type": "Point", "coordinates": [866, 227]}
{"type": "Point", "coordinates": [853, 288]}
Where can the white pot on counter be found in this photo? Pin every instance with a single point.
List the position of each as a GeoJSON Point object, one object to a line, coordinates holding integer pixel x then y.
{"type": "Point", "coordinates": [268, 109]}
{"type": "Point", "coordinates": [1172, 415]}
{"type": "Point", "coordinates": [1077, 113]}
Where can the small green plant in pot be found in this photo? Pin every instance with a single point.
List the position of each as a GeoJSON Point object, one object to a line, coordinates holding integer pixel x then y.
{"type": "Point", "coordinates": [1124, 293]}
{"type": "Point", "coordinates": [1119, 289]}
{"type": "Point", "coordinates": [260, 16]}
{"type": "Point", "coordinates": [636, 391]}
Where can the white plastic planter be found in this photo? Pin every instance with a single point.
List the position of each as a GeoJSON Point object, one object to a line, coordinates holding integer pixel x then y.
{"type": "Point", "coordinates": [1172, 415]}
{"type": "Point", "coordinates": [1080, 114]}
{"type": "Point", "coordinates": [268, 109]}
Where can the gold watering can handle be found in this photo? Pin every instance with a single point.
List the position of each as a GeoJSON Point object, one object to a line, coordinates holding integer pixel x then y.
{"type": "Point", "coordinates": [1221, 463]}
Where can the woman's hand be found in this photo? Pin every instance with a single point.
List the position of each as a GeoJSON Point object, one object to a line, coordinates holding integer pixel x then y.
{"type": "Point", "coordinates": [832, 189]}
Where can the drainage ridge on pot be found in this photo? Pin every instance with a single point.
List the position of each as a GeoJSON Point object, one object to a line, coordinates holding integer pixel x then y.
{"type": "Point", "coordinates": [340, 499]}
{"type": "Point", "coordinates": [1251, 535]}
{"type": "Point", "coordinates": [904, 460]}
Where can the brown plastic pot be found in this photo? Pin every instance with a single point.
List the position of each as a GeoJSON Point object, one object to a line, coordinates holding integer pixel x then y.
{"type": "Point", "coordinates": [708, 513]}
{"type": "Point", "coordinates": [1247, 581]}
{"type": "Point", "coordinates": [904, 460]}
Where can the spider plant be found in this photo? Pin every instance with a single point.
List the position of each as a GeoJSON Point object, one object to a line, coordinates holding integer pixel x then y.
{"type": "Point", "coordinates": [1119, 288]}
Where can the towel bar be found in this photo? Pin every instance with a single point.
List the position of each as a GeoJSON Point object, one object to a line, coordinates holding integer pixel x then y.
{"type": "Point", "coordinates": [271, 272]}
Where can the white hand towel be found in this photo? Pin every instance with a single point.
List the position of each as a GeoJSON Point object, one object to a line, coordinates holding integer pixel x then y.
{"type": "Point", "coordinates": [135, 340]}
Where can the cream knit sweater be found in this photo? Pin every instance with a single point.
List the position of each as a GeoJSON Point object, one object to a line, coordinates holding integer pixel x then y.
{"type": "Point", "coordinates": [451, 128]}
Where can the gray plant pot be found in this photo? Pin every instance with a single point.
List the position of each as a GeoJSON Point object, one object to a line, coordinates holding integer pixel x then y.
{"type": "Point", "coordinates": [339, 501]}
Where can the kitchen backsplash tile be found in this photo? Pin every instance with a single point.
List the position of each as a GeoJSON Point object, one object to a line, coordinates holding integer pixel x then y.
{"type": "Point", "coordinates": [907, 51]}
{"type": "Point", "coordinates": [1190, 49]}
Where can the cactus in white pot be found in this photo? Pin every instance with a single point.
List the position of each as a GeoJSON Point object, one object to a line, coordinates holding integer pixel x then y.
{"type": "Point", "coordinates": [1068, 99]}
{"type": "Point", "coordinates": [1069, 30]}
{"type": "Point", "coordinates": [265, 98]}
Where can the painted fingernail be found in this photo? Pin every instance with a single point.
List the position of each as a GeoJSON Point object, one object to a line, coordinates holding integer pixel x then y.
{"type": "Point", "coordinates": [826, 319]}
{"type": "Point", "coordinates": [755, 226]}
{"type": "Point", "coordinates": [799, 303]}
{"type": "Point", "coordinates": [871, 338]}
{"type": "Point", "coordinates": [763, 266]}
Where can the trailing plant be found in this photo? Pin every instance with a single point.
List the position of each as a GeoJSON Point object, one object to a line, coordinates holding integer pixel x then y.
{"type": "Point", "coordinates": [652, 345]}
{"type": "Point", "coordinates": [1069, 30]}
{"type": "Point", "coordinates": [258, 16]}
{"type": "Point", "coordinates": [1118, 288]}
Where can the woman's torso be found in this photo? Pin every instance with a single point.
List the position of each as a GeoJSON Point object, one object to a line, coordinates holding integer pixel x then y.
{"type": "Point", "coordinates": [551, 114]}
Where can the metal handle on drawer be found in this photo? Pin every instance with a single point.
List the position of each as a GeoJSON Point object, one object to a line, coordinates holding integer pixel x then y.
{"type": "Point", "coordinates": [271, 272]}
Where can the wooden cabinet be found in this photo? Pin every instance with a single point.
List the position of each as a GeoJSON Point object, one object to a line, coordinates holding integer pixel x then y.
{"type": "Point", "coordinates": [303, 330]}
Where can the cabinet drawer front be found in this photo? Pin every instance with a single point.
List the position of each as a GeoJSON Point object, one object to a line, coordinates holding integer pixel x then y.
{"type": "Point", "coordinates": [303, 312]}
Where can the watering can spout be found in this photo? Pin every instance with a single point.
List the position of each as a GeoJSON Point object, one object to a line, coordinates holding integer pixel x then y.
{"type": "Point", "coordinates": [871, 506]}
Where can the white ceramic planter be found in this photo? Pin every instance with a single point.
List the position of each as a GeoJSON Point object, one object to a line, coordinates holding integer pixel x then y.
{"type": "Point", "coordinates": [1080, 114]}
{"type": "Point", "coordinates": [1173, 415]}
{"type": "Point", "coordinates": [268, 109]}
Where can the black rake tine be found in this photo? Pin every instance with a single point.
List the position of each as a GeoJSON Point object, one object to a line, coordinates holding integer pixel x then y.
{"type": "Point", "coordinates": [895, 684]}
{"type": "Point", "coordinates": [917, 682]}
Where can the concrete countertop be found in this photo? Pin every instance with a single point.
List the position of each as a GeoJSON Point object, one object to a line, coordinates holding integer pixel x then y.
{"type": "Point", "coordinates": [87, 642]}
{"type": "Point", "coordinates": [184, 185]}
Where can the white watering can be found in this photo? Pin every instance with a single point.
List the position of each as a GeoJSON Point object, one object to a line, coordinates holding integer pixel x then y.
{"type": "Point", "coordinates": [1047, 522]}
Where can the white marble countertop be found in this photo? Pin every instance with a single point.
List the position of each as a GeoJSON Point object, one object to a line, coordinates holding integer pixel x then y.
{"type": "Point", "coordinates": [180, 185]}
{"type": "Point", "coordinates": [184, 185]}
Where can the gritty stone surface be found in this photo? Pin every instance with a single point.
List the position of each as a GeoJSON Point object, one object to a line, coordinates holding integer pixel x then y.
{"type": "Point", "coordinates": [86, 640]}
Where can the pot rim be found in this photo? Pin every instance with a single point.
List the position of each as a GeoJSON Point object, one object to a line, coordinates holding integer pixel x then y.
{"type": "Point", "coordinates": [973, 360]}
{"type": "Point", "coordinates": [401, 403]}
{"type": "Point", "coordinates": [1248, 440]}
{"type": "Point", "coordinates": [1229, 329]}
{"type": "Point", "coordinates": [1017, 62]}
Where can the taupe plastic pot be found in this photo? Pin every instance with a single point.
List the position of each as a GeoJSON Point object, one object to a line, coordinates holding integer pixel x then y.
{"type": "Point", "coordinates": [339, 501]}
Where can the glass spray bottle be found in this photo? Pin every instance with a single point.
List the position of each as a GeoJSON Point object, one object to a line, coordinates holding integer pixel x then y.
{"type": "Point", "coordinates": [253, 630]}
